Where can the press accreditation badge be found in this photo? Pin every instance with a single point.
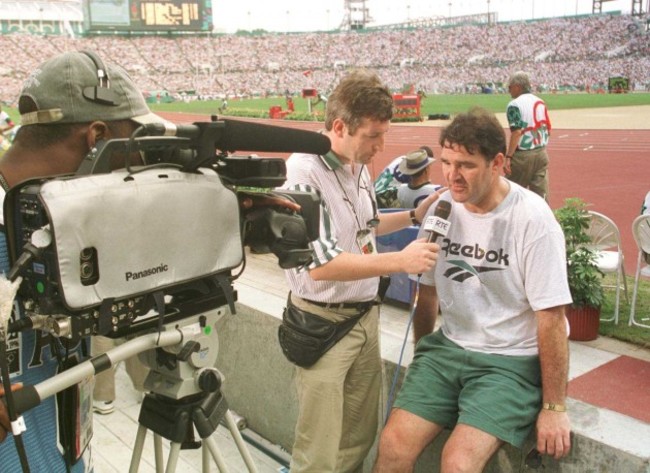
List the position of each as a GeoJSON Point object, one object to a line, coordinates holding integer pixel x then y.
{"type": "Point", "coordinates": [366, 242]}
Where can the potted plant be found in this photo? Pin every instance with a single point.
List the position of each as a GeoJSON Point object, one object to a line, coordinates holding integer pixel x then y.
{"type": "Point", "coordinates": [585, 279]}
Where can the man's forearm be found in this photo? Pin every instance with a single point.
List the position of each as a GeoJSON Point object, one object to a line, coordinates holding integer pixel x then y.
{"type": "Point", "coordinates": [553, 354]}
{"type": "Point", "coordinates": [424, 319]}
{"type": "Point", "coordinates": [515, 136]}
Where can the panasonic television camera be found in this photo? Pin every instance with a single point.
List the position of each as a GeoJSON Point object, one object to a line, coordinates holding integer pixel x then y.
{"type": "Point", "coordinates": [116, 252]}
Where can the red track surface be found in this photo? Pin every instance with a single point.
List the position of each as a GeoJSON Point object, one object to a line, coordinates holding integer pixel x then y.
{"type": "Point", "coordinates": [609, 169]}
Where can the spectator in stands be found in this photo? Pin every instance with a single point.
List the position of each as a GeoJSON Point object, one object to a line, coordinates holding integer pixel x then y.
{"type": "Point", "coordinates": [587, 50]}
{"type": "Point", "coordinates": [6, 123]}
{"type": "Point", "coordinates": [530, 128]}
{"type": "Point", "coordinates": [61, 123]}
{"type": "Point", "coordinates": [416, 165]}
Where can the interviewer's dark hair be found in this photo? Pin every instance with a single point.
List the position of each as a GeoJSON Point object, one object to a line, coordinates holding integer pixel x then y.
{"type": "Point", "coordinates": [478, 131]}
{"type": "Point", "coordinates": [359, 95]}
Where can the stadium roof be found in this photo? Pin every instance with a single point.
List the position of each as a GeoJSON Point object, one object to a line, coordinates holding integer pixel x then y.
{"type": "Point", "coordinates": [50, 10]}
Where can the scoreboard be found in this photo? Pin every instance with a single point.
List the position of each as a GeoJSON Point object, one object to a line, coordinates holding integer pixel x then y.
{"type": "Point", "coordinates": [147, 15]}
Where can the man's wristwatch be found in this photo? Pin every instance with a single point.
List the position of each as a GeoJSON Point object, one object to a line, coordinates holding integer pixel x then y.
{"type": "Point", "coordinates": [549, 406]}
{"type": "Point", "coordinates": [414, 220]}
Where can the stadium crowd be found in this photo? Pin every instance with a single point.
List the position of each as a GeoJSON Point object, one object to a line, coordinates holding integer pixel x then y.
{"type": "Point", "coordinates": [581, 52]}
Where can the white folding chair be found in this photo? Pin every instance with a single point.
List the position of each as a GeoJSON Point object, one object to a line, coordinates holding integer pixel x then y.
{"type": "Point", "coordinates": [606, 240]}
{"type": "Point", "coordinates": [641, 234]}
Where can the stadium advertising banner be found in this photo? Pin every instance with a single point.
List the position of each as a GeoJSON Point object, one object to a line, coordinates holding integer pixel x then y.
{"type": "Point", "coordinates": [147, 15]}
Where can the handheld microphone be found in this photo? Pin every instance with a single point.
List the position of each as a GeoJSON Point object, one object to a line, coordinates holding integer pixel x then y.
{"type": "Point", "coordinates": [437, 224]}
{"type": "Point", "coordinates": [235, 135]}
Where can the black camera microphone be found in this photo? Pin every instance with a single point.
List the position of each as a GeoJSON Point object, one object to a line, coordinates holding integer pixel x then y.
{"type": "Point", "coordinates": [437, 224]}
{"type": "Point", "coordinates": [249, 136]}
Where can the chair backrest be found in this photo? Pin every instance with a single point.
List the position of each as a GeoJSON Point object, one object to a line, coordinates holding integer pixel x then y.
{"type": "Point", "coordinates": [641, 232]}
{"type": "Point", "coordinates": [603, 232]}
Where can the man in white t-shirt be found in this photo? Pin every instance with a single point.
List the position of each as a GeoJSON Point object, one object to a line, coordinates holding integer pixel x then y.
{"type": "Point", "coordinates": [526, 160]}
{"type": "Point", "coordinates": [498, 366]}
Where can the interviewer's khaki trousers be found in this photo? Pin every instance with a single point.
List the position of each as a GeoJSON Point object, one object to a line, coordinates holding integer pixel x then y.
{"type": "Point", "coordinates": [339, 400]}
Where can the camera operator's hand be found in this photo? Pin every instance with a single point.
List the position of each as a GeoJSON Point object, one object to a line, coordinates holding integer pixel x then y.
{"type": "Point", "coordinates": [5, 424]}
{"type": "Point", "coordinates": [419, 256]}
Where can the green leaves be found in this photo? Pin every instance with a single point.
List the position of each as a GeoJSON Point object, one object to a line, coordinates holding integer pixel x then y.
{"type": "Point", "coordinates": [584, 277]}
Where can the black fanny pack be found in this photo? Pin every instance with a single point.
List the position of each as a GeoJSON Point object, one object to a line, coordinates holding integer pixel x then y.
{"type": "Point", "coordinates": [305, 337]}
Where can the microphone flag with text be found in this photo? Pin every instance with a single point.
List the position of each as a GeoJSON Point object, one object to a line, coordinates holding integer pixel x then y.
{"type": "Point", "coordinates": [437, 224]}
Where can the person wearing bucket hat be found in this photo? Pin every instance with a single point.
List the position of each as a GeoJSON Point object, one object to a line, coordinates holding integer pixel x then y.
{"type": "Point", "coordinates": [67, 105]}
{"type": "Point", "coordinates": [416, 165]}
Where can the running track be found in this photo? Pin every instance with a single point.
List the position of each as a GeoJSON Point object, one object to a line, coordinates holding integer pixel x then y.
{"type": "Point", "coordinates": [609, 169]}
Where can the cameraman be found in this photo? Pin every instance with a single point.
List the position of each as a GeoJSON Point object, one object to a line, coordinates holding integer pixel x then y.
{"type": "Point", "coordinates": [339, 395]}
{"type": "Point", "coordinates": [62, 120]}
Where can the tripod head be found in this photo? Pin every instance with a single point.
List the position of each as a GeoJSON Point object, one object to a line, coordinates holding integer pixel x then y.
{"type": "Point", "coordinates": [186, 369]}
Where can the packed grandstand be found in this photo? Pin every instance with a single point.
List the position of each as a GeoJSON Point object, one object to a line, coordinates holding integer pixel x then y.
{"type": "Point", "coordinates": [561, 53]}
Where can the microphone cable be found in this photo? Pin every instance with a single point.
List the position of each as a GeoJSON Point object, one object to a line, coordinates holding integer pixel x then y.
{"type": "Point", "coordinates": [391, 393]}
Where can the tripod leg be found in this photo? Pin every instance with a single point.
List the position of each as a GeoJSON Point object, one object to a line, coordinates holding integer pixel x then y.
{"type": "Point", "coordinates": [239, 441]}
{"type": "Point", "coordinates": [205, 460]}
{"type": "Point", "coordinates": [137, 449]}
{"type": "Point", "coordinates": [216, 454]}
{"type": "Point", "coordinates": [172, 460]}
{"type": "Point", "coordinates": [158, 453]}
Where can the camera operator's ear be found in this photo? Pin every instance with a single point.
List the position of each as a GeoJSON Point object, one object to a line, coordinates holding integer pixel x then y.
{"type": "Point", "coordinates": [97, 131]}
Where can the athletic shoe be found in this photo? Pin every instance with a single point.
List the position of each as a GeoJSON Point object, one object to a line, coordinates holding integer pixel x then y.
{"type": "Point", "coordinates": [103, 407]}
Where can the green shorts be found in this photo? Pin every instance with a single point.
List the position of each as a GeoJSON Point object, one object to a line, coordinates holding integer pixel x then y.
{"type": "Point", "coordinates": [448, 385]}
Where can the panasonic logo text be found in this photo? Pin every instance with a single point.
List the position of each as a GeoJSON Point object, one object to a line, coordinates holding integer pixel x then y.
{"type": "Point", "coordinates": [132, 276]}
{"type": "Point", "coordinates": [476, 252]}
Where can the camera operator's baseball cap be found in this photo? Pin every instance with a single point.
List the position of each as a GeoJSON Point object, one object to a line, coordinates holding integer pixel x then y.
{"type": "Point", "coordinates": [77, 87]}
{"type": "Point", "coordinates": [415, 161]}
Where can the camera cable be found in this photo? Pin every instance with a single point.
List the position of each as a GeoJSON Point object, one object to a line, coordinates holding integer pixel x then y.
{"type": "Point", "coordinates": [40, 240]}
{"type": "Point", "coordinates": [9, 290]}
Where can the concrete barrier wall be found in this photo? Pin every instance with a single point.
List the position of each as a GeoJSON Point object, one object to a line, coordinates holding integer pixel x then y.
{"type": "Point", "coordinates": [259, 385]}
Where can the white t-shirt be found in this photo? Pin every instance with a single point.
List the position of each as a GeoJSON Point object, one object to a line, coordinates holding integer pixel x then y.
{"type": "Point", "coordinates": [410, 198]}
{"type": "Point", "coordinates": [495, 270]}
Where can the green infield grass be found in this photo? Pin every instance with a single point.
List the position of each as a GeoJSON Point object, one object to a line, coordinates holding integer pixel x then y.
{"type": "Point", "coordinates": [432, 104]}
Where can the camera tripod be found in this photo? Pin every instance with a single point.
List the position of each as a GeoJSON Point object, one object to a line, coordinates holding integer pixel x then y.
{"type": "Point", "coordinates": [185, 394]}
{"type": "Point", "coordinates": [176, 421]}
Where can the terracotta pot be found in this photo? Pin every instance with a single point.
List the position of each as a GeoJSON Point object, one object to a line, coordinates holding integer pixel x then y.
{"type": "Point", "coordinates": [583, 323]}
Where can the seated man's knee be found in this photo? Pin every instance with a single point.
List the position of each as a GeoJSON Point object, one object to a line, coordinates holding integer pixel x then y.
{"type": "Point", "coordinates": [393, 449]}
{"type": "Point", "coordinates": [453, 462]}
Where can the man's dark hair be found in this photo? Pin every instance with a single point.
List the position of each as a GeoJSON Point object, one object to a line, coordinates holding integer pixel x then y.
{"type": "Point", "coordinates": [427, 150]}
{"type": "Point", "coordinates": [478, 131]}
{"type": "Point", "coordinates": [359, 95]}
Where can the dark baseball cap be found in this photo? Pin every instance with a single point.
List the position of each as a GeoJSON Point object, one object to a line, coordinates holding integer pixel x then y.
{"type": "Point", "coordinates": [77, 87]}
